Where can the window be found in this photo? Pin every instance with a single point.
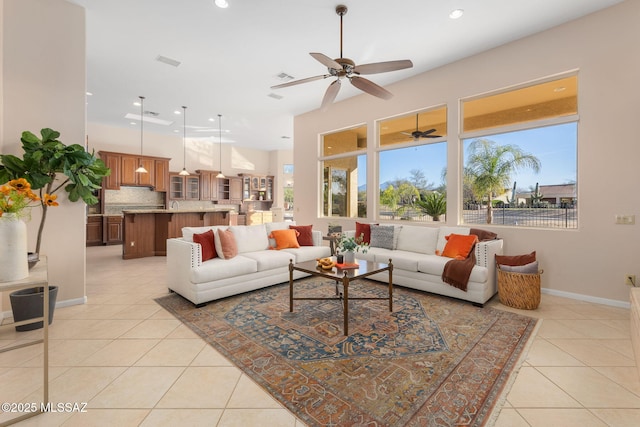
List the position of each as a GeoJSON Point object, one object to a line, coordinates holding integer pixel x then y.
{"type": "Point", "coordinates": [412, 166]}
{"type": "Point", "coordinates": [344, 175]}
{"type": "Point", "coordinates": [520, 156]}
{"type": "Point", "coordinates": [287, 191]}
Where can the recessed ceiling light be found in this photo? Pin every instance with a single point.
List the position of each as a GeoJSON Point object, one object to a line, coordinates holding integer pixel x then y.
{"type": "Point", "coordinates": [132, 123]}
{"type": "Point", "coordinates": [274, 96]}
{"type": "Point", "coordinates": [168, 61]}
{"type": "Point", "coordinates": [176, 130]}
{"type": "Point", "coordinates": [89, 94]}
{"type": "Point", "coordinates": [176, 112]}
{"type": "Point", "coordinates": [221, 4]}
{"type": "Point", "coordinates": [136, 103]}
{"type": "Point", "coordinates": [456, 13]}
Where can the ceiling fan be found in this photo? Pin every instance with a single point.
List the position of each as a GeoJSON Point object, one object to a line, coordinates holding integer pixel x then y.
{"type": "Point", "coordinates": [345, 67]}
{"type": "Point", "coordinates": [417, 134]}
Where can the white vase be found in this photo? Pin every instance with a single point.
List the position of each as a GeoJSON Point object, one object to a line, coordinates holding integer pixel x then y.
{"type": "Point", "coordinates": [349, 257]}
{"type": "Point", "coordinates": [13, 248]}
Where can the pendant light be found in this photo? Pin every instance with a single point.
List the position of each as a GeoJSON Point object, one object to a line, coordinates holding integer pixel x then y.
{"type": "Point", "coordinates": [184, 171]}
{"type": "Point", "coordinates": [220, 174]}
{"type": "Point", "coordinates": [141, 168]}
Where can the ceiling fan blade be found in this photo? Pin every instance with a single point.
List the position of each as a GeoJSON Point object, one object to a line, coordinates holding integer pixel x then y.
{"type": "Point", "coordinates": [297, 82]}
{"type": "Point", "coordinates": [382, 67]}
{"type": "Point", "coordinates": [325, 60]}
{"type": "Point", "coordinates": [427, 132]}
{"type": "Point", "coordinates": [370, 87]}
{"type": "Point", "coordinates": [330, 94]}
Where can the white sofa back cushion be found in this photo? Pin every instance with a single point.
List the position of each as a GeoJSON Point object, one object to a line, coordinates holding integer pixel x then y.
{"type": "Point", "coordinates": [250, 238]}
{"type": "Point", "coordinates": [423, 240]}
{"type": "Point", "coordinates": [188, 232]}
{"type": "Point", "coordinates": [445, 231]}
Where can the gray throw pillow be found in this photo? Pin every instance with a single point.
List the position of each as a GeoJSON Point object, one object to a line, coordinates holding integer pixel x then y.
{"type": "Point", "coordinates": [382, 236]}
{"type": "Point", "coordinates": [531, 268]}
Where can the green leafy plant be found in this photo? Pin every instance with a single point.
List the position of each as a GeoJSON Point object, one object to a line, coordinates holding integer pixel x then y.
{"type": "Point", "coordinates": [49, 166]}
{"type": "Point", "coordinates": [433, 204]}
{"type": "Point", "coordinates": [352, 244]}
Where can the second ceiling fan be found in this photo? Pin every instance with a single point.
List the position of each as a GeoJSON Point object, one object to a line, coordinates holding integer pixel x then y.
{"type": "Point", "coordinates": [347, 68]}
{"type": "Point", "coordinates": [417, 134]}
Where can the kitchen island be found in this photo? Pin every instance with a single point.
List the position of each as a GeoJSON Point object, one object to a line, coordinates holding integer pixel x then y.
{"type": "Point", "coordinates": [145, 231]}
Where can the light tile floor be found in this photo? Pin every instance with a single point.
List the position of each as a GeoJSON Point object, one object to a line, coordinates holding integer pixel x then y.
{"type": "Point", "coordinates": [136, 365]}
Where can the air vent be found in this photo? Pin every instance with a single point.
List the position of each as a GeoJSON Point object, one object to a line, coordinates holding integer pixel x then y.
{"type": "Point", "coordinates": [275, 96]}
{"type": "Point", "coordinates": [284, 77]}
{"type": "Point", "coordinates": [151, 113]}
{"type": "Point", "coordinates": [168, 61]}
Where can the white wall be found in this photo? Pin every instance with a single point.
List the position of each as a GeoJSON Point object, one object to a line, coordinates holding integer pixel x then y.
{"type": "Point", "coordinates": [591, 260]}
{"type": "Point", "coordinates": [43, 85]}
{"type": "Point", "coordinates": [199, 155]}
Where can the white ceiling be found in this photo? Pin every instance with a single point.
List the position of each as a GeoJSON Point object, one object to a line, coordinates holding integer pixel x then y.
{"type": "Point", "coordinates": [230, 57]}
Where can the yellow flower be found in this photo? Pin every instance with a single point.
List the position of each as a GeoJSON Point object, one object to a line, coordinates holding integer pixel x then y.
{"type": "Point", "coordinates": [16, 196]}
{"type": "Point", "coordinates": [50, 199]}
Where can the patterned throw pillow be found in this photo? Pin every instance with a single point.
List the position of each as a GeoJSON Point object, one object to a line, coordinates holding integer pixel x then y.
{"type": "Point", "coordinates": [382, 236]}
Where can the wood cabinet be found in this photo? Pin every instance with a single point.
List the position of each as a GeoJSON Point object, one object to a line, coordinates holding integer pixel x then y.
{"type": "Point", "coordinates": [123, 171]}
{"type": "Point", "coordinates": [112, 161]}
{"type": "Point", "coordinates": [208, 184]}
{"type": "Point", "coordinates": [94, 230]}
{"type": "Point", "coordinates": [112, 230]}
{"type": "Point", "coordinates": [230, 190]}
{"type": "Point", "coordinates": [184, 187]}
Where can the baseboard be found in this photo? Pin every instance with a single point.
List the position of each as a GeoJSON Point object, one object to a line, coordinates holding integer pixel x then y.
{"type": "Point", "coordinates": [587, 298]}
{"type": "Point", "coordinates": [59, 304]}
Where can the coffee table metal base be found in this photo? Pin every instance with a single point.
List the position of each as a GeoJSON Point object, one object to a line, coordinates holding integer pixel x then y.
{"type": "Point", "coordinates": [345, 277]}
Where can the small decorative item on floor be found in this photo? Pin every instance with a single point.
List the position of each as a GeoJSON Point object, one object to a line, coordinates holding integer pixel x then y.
{"type": "Point", "coordinates": [519, 281]}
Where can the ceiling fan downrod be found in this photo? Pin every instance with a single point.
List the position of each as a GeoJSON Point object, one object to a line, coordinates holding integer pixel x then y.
{"type": "Point", "coordinates": [341, 10]}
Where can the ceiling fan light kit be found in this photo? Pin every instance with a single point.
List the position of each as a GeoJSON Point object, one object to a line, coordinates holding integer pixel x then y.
{"type": "Point", "coordinates": [341, 68]}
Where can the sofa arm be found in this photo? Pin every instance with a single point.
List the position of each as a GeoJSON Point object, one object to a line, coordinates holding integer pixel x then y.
{"type": "Point", "coordinates": [486, 253]}
{"type": "Point", "coordinates": [182, 253]}
{"type": "Point", "coordinates": [317, 237]}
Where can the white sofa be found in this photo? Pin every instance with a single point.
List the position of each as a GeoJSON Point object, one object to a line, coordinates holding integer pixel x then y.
{"type": "Point", "coordinates": [416, 265]}
{"type": "Point", "coordinates": [256, 266]}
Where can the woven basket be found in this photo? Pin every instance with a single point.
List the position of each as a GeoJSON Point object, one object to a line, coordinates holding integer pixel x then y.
{"type": "Point", "coordinates": [519, 290]}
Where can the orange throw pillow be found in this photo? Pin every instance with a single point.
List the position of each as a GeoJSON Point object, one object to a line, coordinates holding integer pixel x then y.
{"type": "Point", "coordinates": [228, 243]}
{"type": "Point", "coordinates": [305, 237]}
{"type": "Point", "coordinates": [458, 246]}
{"type": "Point", "coordinates": [208, 247]}
{"type": "Point", "coordinates": [285, 238]}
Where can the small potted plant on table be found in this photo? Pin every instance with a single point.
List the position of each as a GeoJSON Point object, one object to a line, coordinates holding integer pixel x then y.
{"type": "Point", "coordinates": [348, 246]}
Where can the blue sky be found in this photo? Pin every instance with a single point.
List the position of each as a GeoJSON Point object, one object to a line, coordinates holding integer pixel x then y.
{"type": "Point", "coordinates": [554, 146]}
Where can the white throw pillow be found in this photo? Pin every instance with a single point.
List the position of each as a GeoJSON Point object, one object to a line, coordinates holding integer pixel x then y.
{"type": "Point", "coordinates": [250, 238]}
{"type": "Point", "coordinates": [418, 239]}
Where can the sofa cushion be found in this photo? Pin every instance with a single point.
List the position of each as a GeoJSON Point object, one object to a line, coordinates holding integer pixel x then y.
{"type": "Point", "coordinates": [443, 232]}
{"type": "Point", "coordinates": [188, 232]}
{"type": "Point", "coordinates": [250, 238]}
{"type": "Point", "coordinates": [422, 240]}
{"type": "Point", "coordinates": [433, 264]}
{"type": "Point", "coordinates": [218, 268]}
{"type": "Point", "coordinates": [228, 246]}
{"type": "Point", "coordinates": [365, 231]}
{"type": "Point", "coordinates": [305, 238]}
{"type": "Point", "coordinates": [268, 260]}
{"type": "Point", "coordinates": [402, 260]}
{"type": "Point", "coordinates": [382, 236]}
{"type": "Point", "coordinates": [285, 239]}
{"type": "Point", "coordinates": [206, 241]}
{"type": "Point", "coordinates": [307, 253]}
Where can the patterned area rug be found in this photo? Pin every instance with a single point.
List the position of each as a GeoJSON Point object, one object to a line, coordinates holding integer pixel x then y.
{"type": "Point", "coordinates": [433, 361]}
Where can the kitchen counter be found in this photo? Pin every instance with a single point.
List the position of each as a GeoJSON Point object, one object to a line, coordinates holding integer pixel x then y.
{"type": "Point", "coordinates": [146, 231]}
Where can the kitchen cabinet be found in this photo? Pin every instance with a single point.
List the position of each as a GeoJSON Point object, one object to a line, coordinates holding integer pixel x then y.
{"type": "Point", "coordinates": [255, 186]}
{"type": "Point", "coordinates": [94, 230]}
{"type": "Point", "coordinates": [112, 161]}
{"type": "Point", "coordinates": [123, 171]}
{"type": "Point", "coordinates": [161, 172]}
{"type": "Point", "coordinates": [184, 187]}
{"type": "Point", "coordinates": [208, 184]}
{"type": "Point", "coordinates": [112, 228]}
{"type": "Point", "coordinates": [230, 190]}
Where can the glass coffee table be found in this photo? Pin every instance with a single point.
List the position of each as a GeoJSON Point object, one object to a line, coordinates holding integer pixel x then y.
{"type": "Point", "coordinates": [344, 276]}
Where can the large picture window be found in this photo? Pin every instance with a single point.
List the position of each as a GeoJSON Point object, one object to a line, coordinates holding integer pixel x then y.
{"type": "Point", "coordinates": [412, 167]}
{"type": "Point", "coordinates": [344, 176]}
{"type": "Point", "coordinates": [520, 156]}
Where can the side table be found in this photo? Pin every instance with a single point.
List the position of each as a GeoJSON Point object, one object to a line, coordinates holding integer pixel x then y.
{"type": "Point", "coordinates": [37, 277]}
{"type": "Point", "coordinates": [332, 243]}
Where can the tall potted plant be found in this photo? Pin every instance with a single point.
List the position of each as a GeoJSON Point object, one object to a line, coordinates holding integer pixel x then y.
{"type": "Point", "coordinates": [49, 166]}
